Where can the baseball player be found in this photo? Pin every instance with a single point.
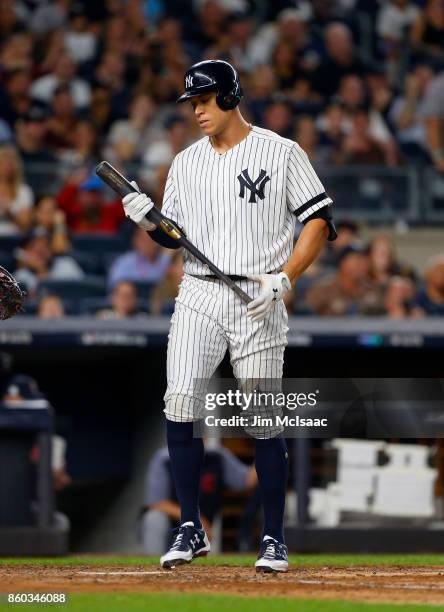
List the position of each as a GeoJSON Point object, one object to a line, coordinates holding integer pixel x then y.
{"type": "Point", "coordinates": [237, 193]}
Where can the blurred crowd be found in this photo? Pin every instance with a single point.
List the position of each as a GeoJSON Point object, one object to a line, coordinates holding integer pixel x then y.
{"type": "Point", "coordinates": [354, 82]}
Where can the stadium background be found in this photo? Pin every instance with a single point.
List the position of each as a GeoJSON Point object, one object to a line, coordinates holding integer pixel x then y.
{"type": "Point", "coordinates": [357, 84]}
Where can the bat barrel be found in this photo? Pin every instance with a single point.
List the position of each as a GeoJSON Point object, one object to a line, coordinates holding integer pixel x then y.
{"type": "Point", "coordinates": [114, 179]}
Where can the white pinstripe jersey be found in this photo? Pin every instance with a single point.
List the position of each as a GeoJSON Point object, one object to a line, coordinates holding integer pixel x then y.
{"type": "Point", "coordinates": [240, 207]}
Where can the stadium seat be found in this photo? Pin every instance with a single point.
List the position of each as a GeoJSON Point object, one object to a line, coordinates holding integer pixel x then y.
{"type": "Point", "coordinates": [7, 260]}
{"type": "Point", "coordinates": [88, 287]}
{"type": "Point", "coordinates": [97, 243]}
{"type": "Point", "coordinates": [91, 263]}
{"type": "Point", "coordinates": [92, 305]}
{"type": "Point", "coordinates": [144, 289]}
{"type": "Point", "coordinates": [8, 243]}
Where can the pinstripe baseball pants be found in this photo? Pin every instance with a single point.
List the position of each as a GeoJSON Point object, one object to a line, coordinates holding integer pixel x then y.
{"type": "Point", "coordinates": [210, 318]}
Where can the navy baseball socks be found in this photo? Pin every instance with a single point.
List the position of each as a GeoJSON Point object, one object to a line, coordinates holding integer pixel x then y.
{"type": "Point", "coordinates": [272, 472]}
{"type": "Point", "coordinates": [186, 457]}
{"type": "Point", "coordinates": [190, 540]}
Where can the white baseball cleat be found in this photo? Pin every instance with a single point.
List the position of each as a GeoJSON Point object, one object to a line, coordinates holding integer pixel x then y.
{"type": "Point", "coordinates": [273, 556]}
{"type": "Point", "coordinates": [188, 543]}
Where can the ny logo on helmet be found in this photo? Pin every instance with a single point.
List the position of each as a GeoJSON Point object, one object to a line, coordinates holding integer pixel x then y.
{"type": "Point", "coordinates": [188, 82]}
{"type": "Point", "coordinates": [256, 187]}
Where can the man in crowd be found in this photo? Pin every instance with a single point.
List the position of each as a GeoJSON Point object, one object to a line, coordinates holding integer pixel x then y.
{"type": "Point", "coordinates": [431, 299]}
{"type": "Point", "coordinates": [147, 261]}
{"type": "Point", "coordinates": [221, 470]}
{"type": "Point", "coordinates": [349, 290]}
{"type": "Point", "coordinates": [86, 208]}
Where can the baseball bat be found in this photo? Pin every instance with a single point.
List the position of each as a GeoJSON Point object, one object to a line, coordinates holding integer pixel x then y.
{"type": "Point", "coordinates": [123, 187]}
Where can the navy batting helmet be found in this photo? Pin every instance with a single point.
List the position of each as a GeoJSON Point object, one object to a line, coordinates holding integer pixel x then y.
{"type": "Point", "coordinates": [213, 75]}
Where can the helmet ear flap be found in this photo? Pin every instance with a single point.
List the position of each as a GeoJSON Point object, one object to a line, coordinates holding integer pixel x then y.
{"type": "Point", "coordinates": [229, 100]}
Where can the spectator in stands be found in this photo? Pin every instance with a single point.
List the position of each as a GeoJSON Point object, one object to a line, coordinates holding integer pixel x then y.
{"type": "Point", "coordinates": [16, 51]}
{"type": "Point", "coordinates": [80, 40]}
{"type": "Point", "coordinates": [115, 37]}
{"type": "Point", "coordinates": [350, 291]}
{"type": "Point", "coordinates": [399, 299]}
{"type": "Point", "coordinates": [394, 22]}
{"type": "Point", "coordinates": [14, 94]}
{"type": "Point", "coordinates": [160, 180]}
{"type": "Point", "coordinates": [207, 26]}
{"type": "Point", "coordinates": [51, 220]}
{"type": "Point", "coordinates": [238, 28]}
{"type": "Point", "coordinates": [48, 17]}
{"type": "Point", "coordinates": [341, 59]}
{"type": "Point", "coordinates": [303, 98]}
{"type": "Point", "coordinates": [332, 128]}
{"type": "Point", "coordinates": [63, 120]}
{"type": "Point", "coordinates": [10, 21]}
{"type": "Point", "coordinates": [36, 262]}
{"type": "Point", "coordinates": [124, 302]}
{"type": "Point", "coordinates": [111, 72]}
{"type": "Point", "coordinates": [284, 66]}
{"type": "Point", "coordinates": [306, 135]}
{"type": "Point", "coordinates": [348, 236]}
{"type": "Point", "coordinates": [122, 153]}
{"type": "Point", "coordinates": [277, 117]}
{"type": "Point", "coordinates": [360, 147]}
{"type": "Point", "coordinates": [39, 163]}
{"type": "Point", "coordinates": [263, 87]}
{"type": "Point", "coordinates": [383, 263]}
{"type": "Point", "coordinates": [431, 299]}
{"type": "Point", "coordinates": [427, 36]}
{"type": "Point", "coordinates": [85, 207]}
{"type": "Point", "coordinates": [50, 308]}
{"type": "Point", "coordinates": [354, 97]}
{"type": "Point", "coordinates": [147, 261]}
{"type": "Point", "coordinates": [433, 111]}
{"type": "Point", "coordinates": [83, 148]}
{"type": "Point", "coordinates": [407, 114]}
{"type": "Point", "coordinates": [221, 469]}
{"type": "Point", "coordinates": [101, 110]}
{"type": "Point", "coordinates": [165, 293]}
{"type": "Point", "coordinates": [290, 27]}
{"type": "Point", "coordinates": [163, 151]}
{"type": "Point", "coordinates": [6, 135]}
{"type": "Point", "coordinates": [16, 198]}
{"type": "Point", "coordinates": [64, 74]}
{"type": "Point", "coordinates": [137, 130]}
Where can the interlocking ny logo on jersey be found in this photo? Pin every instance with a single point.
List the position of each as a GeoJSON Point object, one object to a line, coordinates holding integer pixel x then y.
{"type": "Point", "coordinates": [256, 187]}
{"type": "Point", "coordinates": [188, 82]}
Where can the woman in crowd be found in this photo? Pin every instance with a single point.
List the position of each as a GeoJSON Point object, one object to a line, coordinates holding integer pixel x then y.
{"type": "Point", "coordinates": [16, 198]}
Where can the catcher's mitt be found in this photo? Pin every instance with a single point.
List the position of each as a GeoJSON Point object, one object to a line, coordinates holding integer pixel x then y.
{"type": "Point", "coordinates": [11, 296]}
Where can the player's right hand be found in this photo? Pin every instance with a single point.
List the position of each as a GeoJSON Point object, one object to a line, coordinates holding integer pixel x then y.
{"type": "Point", "coordinates": [136, 205]}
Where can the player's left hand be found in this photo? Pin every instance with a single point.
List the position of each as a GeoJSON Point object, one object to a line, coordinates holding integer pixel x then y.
{"type": "Point", "coordinates": [273, 288]}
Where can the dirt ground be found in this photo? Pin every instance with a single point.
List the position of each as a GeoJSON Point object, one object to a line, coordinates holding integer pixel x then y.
{"type": "Point", "coordinates": [393, 584]}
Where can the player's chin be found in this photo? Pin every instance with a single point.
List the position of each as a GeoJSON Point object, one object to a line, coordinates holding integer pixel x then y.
{"type": "Point", "coordinates": [207, 128]}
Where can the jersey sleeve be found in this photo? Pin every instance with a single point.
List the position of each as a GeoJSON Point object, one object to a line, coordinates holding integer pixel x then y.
{"type": "Point", "coordinates": [170, 205]}
{"type": "Point", "coordinates": [305, 192]}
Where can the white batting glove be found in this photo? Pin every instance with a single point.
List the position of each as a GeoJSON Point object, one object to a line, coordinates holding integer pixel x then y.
{"type": "Point", "coordinates": [273, 288]}
{"type": "Point", "coordinates": [136, 205]}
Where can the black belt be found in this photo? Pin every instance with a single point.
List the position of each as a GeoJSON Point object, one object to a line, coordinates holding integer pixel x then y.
{"type": "Point", "coordinates": [233, 277]}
